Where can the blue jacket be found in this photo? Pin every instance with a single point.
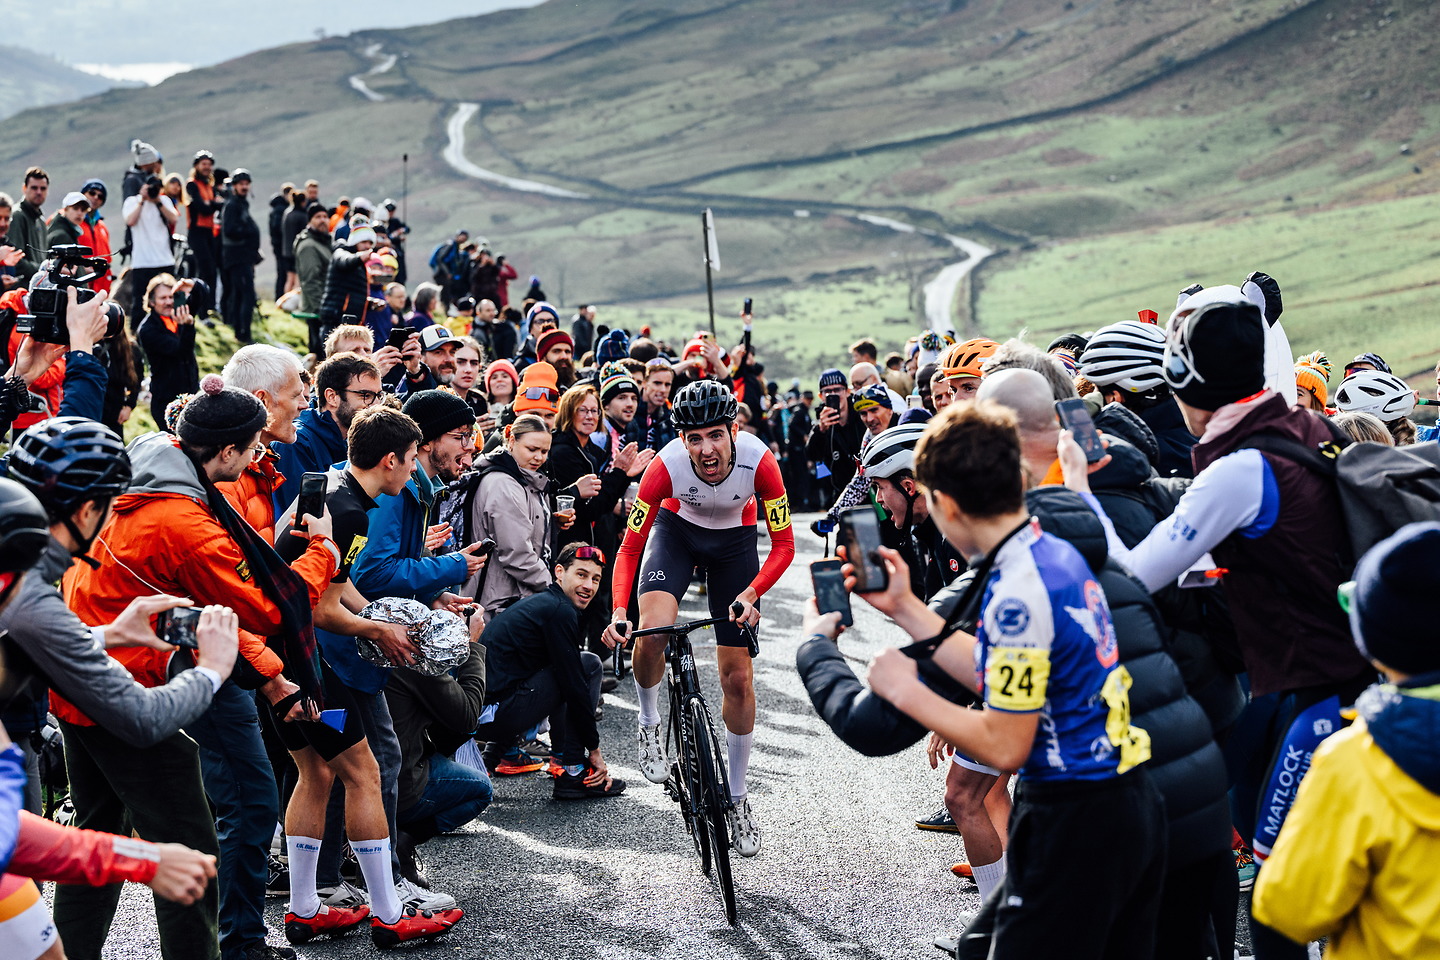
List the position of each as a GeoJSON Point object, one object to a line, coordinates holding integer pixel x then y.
{"type": "Point", "coordinates": [393, 562]}
{"type": "Point", "coordinates": [85, 380]}
{"type": "Point", "coordinates": [318, 446]}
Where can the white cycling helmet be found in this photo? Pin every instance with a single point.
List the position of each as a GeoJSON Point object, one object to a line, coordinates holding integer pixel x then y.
{"type": "Point", "coordinates": [1128, 355]}
{"type": "Point", "coordinates": [890, 451]}
{"type": "Point", "coordinates": [1381, 394]}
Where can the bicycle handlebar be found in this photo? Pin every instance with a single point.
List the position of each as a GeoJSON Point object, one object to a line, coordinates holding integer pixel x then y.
{"type": "Point", "coordinates": [684, 626]}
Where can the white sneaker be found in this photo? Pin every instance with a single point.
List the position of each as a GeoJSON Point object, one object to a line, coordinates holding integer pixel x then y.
{"type": "Point", "coordinates": [421, 899]}
{"type": "Point", "coordinates": [652, 755]}
{"type": "Point", "coordinates": [744, 834]}
{"type": "Point", "coordinates": [346, 895]}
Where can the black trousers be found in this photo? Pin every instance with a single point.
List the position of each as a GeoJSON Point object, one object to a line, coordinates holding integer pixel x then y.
{"type": "Point", "coordinates": [534, 700]}
{"type": "Point", "coordinates": [158, 792]}
{"type": "Point", "coordinates": [237, 304]}
{"type": "Point", "coordinates": [1037, 912]}
{"type": "Point", "coordinates": [205, 247]}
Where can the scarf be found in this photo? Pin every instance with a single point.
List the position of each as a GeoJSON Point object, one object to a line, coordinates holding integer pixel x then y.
{"type": "Point", "coordinates": [295, 646]}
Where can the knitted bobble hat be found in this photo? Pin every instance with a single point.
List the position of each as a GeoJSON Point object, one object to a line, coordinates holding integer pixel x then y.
{"type": "Point", "coordinates": [219, 416]}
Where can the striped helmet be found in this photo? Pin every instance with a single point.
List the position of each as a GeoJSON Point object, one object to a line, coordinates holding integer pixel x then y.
{"type": "Point", "coordinates": [890, 451]}
{"type": "Point", "coordinates": [1128, 355]}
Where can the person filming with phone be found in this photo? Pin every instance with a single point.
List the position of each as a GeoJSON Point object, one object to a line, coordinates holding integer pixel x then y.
{"type": "Point", "coordinates": [835, 442]}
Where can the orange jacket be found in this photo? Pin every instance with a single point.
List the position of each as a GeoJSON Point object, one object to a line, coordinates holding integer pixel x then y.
{"type": "Point", "coordinates": [162, 538]}
{"type": "Point", "coordinates": [50, 384]}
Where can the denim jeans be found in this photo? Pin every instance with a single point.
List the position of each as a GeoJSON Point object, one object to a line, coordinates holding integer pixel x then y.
{"type": "Point", "coordinates": [241, 784]}
{"type": "Point", "coordinates": [454, 795]}
{"type": "Point", "coordinates": [380, 734]}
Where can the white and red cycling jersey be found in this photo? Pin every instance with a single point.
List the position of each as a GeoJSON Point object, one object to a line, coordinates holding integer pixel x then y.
{"type": "Point", "coordinates": [670, 483]}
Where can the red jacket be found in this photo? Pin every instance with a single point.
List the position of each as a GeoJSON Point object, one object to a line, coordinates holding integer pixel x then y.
{"type": "Point", "coordinates": [47, 851]}
{"type": "Point", "coordinates": [50, 384]}
{"type": "Point", "coordinates": [96, 236]}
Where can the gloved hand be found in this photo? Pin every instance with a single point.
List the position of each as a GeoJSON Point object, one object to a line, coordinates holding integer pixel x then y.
{"type": "Point", "coordinates": [1262, 290]}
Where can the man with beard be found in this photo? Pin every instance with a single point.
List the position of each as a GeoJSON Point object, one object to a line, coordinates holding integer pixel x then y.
{"type": "Point", "coordinates": [435, 367]}
{"type": "Point", "coordinates": [557, 349]}
{"type": "Point", "coordinates": [619, 396]}
{"type": "Point", "coordinates": [344, 385]}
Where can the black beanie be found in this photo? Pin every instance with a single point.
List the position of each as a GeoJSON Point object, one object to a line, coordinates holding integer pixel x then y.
{"type": "Point", "coordinates": [1224, 343]}
{"type": "Point", "coordinates": [1397, 583]}
{"type": "Point", "coordinates": [437, 412]}
{"type": "Point", "coordinates": [218, 416]}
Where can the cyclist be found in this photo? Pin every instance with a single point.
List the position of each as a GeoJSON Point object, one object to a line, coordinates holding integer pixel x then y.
{"type": "Point", "coordinates": [700, 492]}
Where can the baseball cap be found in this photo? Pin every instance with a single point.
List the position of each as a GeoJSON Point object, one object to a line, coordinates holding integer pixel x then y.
{"type": "Point", "coordinates": [74, 198]}
{"type": "Point", "coordinates": [435, 336]}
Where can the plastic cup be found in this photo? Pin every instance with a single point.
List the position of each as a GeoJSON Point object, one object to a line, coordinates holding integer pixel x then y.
{"type": "Point", "coordinates": [564, 504]}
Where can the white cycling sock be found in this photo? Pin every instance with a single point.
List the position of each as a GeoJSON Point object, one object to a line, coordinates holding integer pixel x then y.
{"type": "Point", "coordinates": [374, 857]}
{"type": "Point", "coordinates": [988, 875]}
{"type": "Point", "coordinates": [304, 858]}
{"type": "Point", "coordinates": [737, 745]}
{"type": "Point", "coordinates": [649, 698]}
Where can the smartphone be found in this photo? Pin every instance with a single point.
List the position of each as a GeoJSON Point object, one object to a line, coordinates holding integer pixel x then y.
{"type": "Point", "coordinates": [312, 496]}
{"type": "Point", "coordinates": [830, 593]}
{"type": "Point", "coordinates": [487, 546]}
{"type": "Point", "coordinates": [832, 401]}
{"type": "Point", "coordinates": [177, 627]}
{"type": "Point", "coordinates": [1075, 418]}
{"type": "Point", "coordinates": [860, 534]}
{"type": "Point", "coordinates": [398, 336]}
{"type": "Point", "coordinates": [749, 304]}
{"type": "Point", "coordinates": [181, 298]}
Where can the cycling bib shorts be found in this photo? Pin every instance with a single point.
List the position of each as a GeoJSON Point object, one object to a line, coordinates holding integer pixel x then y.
{"type": "Point", "coordinates": [728, 557]}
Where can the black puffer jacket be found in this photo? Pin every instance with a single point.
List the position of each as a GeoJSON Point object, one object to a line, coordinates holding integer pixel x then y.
{"type": "Point", "coordinates": [347, 287]}
{"type": "Point", "coordinates": [1135, 500]}
{"type": "Point", "coordinates": [1185, 764]}
{"type": "Point", "coordinates": [595, 520]}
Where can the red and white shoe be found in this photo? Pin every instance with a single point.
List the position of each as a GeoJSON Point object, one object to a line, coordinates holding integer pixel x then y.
{"type": "Point", "coordinates": [327, 922]}
{"type": "Point", "coordinates": [413, 925]}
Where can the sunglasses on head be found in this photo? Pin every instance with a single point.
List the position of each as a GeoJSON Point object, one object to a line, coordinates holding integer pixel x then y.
{"type": "Point", "coordinates": [590, 553]}
{"type": "Point", "coordinates": [541, 393]}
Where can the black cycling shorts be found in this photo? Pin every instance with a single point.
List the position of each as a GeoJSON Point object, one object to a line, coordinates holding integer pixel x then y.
{"type": "Point", "coordinates": [729, 558]}
{"type": "Point", "coordinates": [325, 739]}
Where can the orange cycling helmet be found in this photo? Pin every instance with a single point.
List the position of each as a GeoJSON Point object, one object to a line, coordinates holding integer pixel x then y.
{"type": "Point", "coordinates": [964, 359]}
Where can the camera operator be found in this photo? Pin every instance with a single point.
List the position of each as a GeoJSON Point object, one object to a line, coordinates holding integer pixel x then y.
{"type": "Point", "coordinates": [168, 336]}
{"type": "Point", "coordinates": [150, 217]}
{"type": "Point", "coordinates": [239, 253]}
{"type": "Point", "coordinates": [49, 379]}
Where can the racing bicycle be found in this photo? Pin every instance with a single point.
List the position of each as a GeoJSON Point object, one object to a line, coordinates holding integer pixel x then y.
{"type": "Point", "coordinates": [698, 780]}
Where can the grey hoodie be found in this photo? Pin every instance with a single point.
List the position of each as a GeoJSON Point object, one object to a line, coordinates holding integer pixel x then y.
{"type": "Point", "coordinates": [65, 655]}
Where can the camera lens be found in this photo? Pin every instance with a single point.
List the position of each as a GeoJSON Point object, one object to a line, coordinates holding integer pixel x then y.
{"type": "Point", "coordinates": [115, 320]}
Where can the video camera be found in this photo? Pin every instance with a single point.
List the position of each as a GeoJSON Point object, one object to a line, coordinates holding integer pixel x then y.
{"type": "Point", "coordinates": [67, 265]}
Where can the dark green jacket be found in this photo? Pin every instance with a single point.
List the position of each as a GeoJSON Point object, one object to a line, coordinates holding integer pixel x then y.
{"type": "Point", "coordinates": [312, 266]}
{"type": "Point", "coordinates": [27, 233]}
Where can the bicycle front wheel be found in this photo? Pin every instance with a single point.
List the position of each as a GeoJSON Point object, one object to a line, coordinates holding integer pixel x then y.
{"type": "Point", "coordinates": [715, 797]}
{"type": "Point", "coordinates": [685, 774]}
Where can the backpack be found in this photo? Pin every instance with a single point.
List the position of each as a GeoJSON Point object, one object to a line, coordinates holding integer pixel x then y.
{"type": "Point", "coordinates": [1381, 488]}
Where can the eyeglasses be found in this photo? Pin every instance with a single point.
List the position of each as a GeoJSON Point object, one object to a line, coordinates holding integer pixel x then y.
{"type": "Point", "coordinates": [590, 553]}
{"type": "Point", "coordinates": [367, 396]}
{"type": "Point", "coordinates": [466, 437]}
{"type": "Point", "coordinates": [540, 393]}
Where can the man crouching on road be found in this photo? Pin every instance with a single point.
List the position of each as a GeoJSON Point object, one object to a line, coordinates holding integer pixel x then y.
{"type": "Point", "coordinates": [535, 669]}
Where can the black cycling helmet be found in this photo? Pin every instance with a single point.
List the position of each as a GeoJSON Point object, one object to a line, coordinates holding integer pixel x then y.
{"type": "Point", "coordinates": [704, 403]}
{"type": "Point", "coordinates": [24, 529]}
{"type": "Point", "coordinates": [67, 461]}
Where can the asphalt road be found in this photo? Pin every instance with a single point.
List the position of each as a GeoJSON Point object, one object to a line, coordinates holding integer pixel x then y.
{"type": "Point", "coordinates": [843, 872]}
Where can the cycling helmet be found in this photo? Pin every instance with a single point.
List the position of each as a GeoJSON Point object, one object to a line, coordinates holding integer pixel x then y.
{"type": "Point", "coordinates": [1127, 355]}
{"type": "Point", "coordinates": [24, 528]}
{"type": "Point", "coordinates": [1382, 394]}
{"type": "Point", "coordinates": [703, 403]}
{"type": "Point", "coordinates": [890, 451]}
{"type": "Point", "coordinates": [66, 461]}
{"type": "Point", "coordinates": [964, 359]}
{"type": "Point", "coordinates": [1374, 359]}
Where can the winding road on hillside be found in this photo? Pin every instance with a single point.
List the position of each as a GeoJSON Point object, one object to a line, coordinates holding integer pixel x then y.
{"type": "Point", "coordinates": [939, 292]}
{"type": "Point", "coordinates": [383, 64]}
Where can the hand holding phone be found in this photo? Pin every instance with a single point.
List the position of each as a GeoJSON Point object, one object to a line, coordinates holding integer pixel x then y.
{"type": "Point", "coordinates": [177, 627]}
{"type": "Point", "coordinates": [860, 533]}
{"type": "Point", "coordinates": [312, 497]}
{"type": "Point", "coordinates": [1076, 418]}
{"type": "Point", "coordinates": [830, 593]}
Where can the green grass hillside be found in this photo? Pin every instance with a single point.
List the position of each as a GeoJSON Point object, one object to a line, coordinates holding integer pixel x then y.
{"type": "Point", "coordinates": [1071, 136]}
{"type": "Point", "coordinates": [32, 79]}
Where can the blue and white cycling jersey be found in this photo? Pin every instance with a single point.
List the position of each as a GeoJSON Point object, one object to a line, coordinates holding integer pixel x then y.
{"type": "Point", "coordinates": [1046, 645]}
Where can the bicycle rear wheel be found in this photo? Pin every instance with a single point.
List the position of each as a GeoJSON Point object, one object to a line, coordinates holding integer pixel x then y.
{"type": "Point", "coordinates": [684, 775]}
{"type": "Point", "coordinates": [715, 786]}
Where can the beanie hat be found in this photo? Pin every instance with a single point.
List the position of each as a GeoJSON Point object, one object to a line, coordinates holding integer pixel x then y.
{"type": "Point", "coordinates": [929, 347]}
{"type": "Point", "coordinates": [143, 153]}
{"type": "Point", "coordinates": [616, 384]}
{"type": "Point", "coordinates": [871, 397]}
{"type": "Point", "coordinates": [314, 207]}
{"type": "Point", "coordinates": [1216, 355]}
{"type": "Point", "coordinates": [219, 416]}
{"type": "Point", "coordinates": [541, 379]}
{"type": "Point", "coordinates": [832, 378]}
{"type": "Point", "coordinates": [1397, 583]}
{"type": "Point", "coordinates": [95, 184]}
{"type": "Point", "coordinates": [359, 235]}
{"type": "Point", "coordinates": [501, 366]}
{"type": "Point", "coordinates": [436, 412]}
{"type": "Point", "coordinates": [551, 339]}
{"type": "Point", "coordinates": [613, 346]}
{"type": "Point", "coordinates": [1319, 361]}
{"type": "Point", "coordinates": [1312, 379]}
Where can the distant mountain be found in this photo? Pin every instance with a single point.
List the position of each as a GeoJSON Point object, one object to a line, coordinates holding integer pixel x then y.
{"type": "Point", "coordinates": [35, 80]}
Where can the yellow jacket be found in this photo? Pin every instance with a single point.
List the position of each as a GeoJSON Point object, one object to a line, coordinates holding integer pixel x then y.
{"type": "Point", "coordinates": [1357, 858]}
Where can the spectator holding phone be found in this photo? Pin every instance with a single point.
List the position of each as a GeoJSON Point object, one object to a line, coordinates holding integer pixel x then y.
{"type": "Point", "coordinates": [835, 442]}
{"type": "Point", "coordinates": [167, 334]}
{"type": "Point", "coordinates": [344, 385]}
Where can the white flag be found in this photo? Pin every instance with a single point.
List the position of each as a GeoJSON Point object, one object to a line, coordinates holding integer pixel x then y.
{"type": "Point", "coordinates": [712, 245]}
